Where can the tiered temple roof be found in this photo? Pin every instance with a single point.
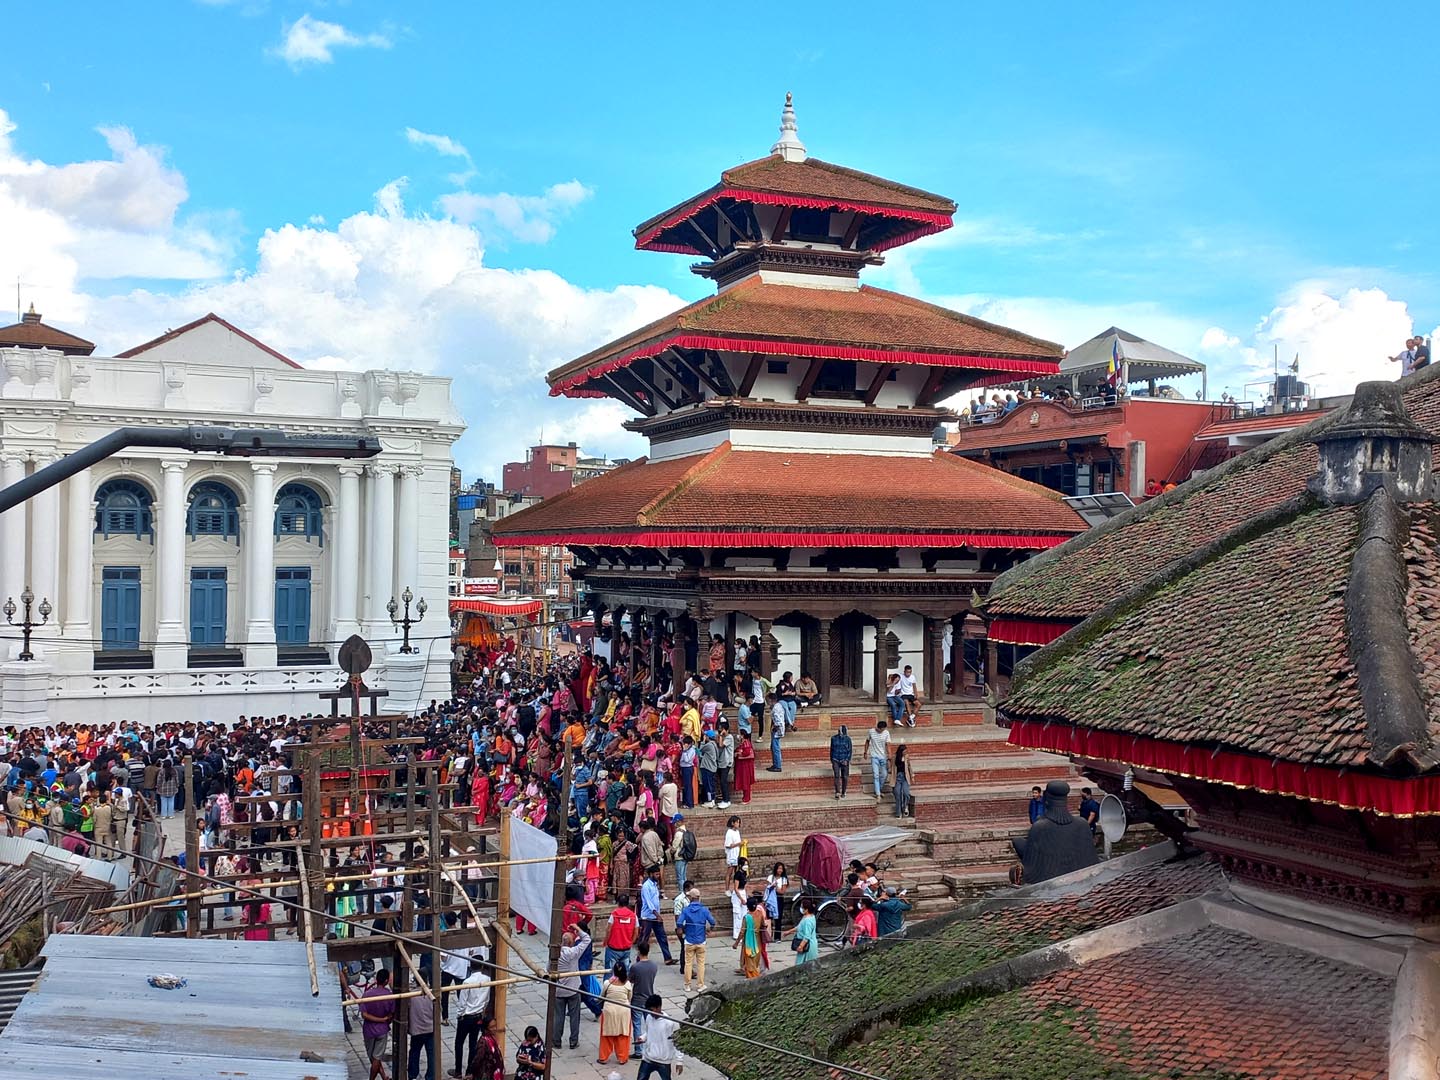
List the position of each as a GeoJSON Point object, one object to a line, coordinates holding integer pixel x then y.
{"type": "Point", "coordinates": [752, 498]}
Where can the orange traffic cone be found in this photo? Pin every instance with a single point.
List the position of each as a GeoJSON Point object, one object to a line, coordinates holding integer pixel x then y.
{"type": "Point", "coordinates": [344, 826]}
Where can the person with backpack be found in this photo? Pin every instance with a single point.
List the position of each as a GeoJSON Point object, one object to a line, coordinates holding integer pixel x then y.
{"type": "Point", "coordinates": [683, 849]}
{"type": "Point", "coordinates": [842, 750]}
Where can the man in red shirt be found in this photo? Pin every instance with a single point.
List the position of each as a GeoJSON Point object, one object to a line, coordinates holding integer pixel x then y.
{"type": "Point", "coordinates": [621, 934]}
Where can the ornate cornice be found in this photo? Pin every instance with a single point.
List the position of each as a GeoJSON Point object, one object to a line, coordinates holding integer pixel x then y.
{"type": "Point", "coordinates": [750, 258]}
{"type": "Point", "coordinates": [721, 414]}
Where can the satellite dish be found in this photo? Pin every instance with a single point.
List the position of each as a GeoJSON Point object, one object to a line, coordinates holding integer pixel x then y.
{"type": "Point", "coordinates": [1112, 821]}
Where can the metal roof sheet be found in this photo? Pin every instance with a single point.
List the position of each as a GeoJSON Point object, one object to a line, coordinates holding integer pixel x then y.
{"type": "Point", "coordinates": [246, 1010]}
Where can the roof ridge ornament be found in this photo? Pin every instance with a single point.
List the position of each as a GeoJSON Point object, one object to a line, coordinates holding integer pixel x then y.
{"type": "Point", "coordinates": [1373, 444]}
{"type": "Point", "coordinates": [790, 148]}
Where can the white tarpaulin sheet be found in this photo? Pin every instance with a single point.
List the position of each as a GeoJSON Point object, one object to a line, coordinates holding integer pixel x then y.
{"type": "Point", "coordinates": [866, 845]}
{"type": "Point", "coordinates": [532, 884]}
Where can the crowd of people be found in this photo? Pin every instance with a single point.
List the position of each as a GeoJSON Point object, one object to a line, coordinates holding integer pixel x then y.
{"type": "Point", "coordinates": [642, 753]}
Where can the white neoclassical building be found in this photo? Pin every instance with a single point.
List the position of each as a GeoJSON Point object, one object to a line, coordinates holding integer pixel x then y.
{"type": "Point", "coordinates": [195, 586]}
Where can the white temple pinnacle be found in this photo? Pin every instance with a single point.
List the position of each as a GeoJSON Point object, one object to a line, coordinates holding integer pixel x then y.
{"type": "Point", "coordinates": [789, 147]}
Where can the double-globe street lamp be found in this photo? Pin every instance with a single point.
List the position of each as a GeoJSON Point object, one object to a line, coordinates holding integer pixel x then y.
{"type": "Point", "coordinates": [406, 622]}
{"type": "Point", "coordinates": [27, 624]}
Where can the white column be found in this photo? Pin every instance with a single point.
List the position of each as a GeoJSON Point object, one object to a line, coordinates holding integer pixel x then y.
{"type": "Point", "coordinates": [380, 551]}
{"type": "Point", "coordinates": [407, 543]}
{"type": "Point", "coordinates": [260, 568]}
{"type": "Point", "coordinates": [12, 530]}
{"type": "Point", "coordinates": [171, 644]}
{"type": "Point", "coordinates": [345, 555]}
{"type": "Point", "coordinates": [79, 560]}
{"type": "Point", "coordinates": [45, 547]}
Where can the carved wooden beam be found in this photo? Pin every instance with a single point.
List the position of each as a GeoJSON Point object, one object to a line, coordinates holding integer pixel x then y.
{"type": "Point", "coordinates": [807, 384]}
{"type": "Point", "coordinates": [731, 222]}
{"type": "Point", "coordinates": [713, 248]}
{"type": "Point", "coordinates": [877, 382]}
{"type": "Point", "coordinates": [625, 394]}
{"type": "Point", "coordinates": [931, 390]}
{"type": "Point", "coordinates": [674, 365]}
{"type": "Point", "coordinates": [752, 372]}
{"type": "Point", "coordinates": [781, 224]}
{"type": "Point", "coordinates": [653, 386]}
{"type": "Point", "coordinates": [853, 232]}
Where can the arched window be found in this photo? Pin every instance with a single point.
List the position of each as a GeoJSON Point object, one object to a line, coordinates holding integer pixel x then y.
{"type": "Point", "coordinates": [213, 511]}
{"type": "Point", "coordinates": [123, 509]}
{"type": "Point", "coordinates": [297, 513]}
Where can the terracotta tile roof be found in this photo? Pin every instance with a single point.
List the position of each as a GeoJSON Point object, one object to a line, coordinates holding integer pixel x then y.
{"type": "Point", "coordinates": [1335, 607]}
{"type": "Point", "coordinates": [1258, 425]}
{"type": "Point", "coordinates": [742, 493]}
{"type": "Point", "coordinates": [1250, 1008]}
{"type": "Point", "coordinates": [811, 182]}
{"type": "Point", "coordinates": [170, 335]}
{"type": "Point", "coordinates": [1076, 580]}
{"type": "Point", "coordinates": [787, 320]}
{"type": "Point", "coordinates": [816, 1013]}
{"type": "Point", "coordinates": [31, 333]}
{"type": "Point", "coordinates": [1165, 667]}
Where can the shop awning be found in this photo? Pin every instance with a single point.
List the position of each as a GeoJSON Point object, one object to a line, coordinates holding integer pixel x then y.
{"type": "Point", "coordinates": [519, 608]}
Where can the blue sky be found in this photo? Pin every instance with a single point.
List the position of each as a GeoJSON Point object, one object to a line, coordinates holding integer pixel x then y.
{"type": "Point", "coordinates": [1221, 180]}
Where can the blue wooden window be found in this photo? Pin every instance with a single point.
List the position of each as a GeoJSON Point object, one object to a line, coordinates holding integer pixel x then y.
{"type": "Point", "coordinates": [120, 607]}
{"type": "Point", "coordinates": [213, 511]}
{"type": "Point", "coordinates": [123, 508]}
{"type": "Point", "coordinates": [297, 513]}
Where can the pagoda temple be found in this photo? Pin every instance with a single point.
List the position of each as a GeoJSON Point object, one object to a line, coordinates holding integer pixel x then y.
{"type": "Point", "coordinates": [792, 490]}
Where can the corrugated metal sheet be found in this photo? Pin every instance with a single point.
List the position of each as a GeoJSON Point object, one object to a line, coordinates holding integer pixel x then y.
{"type": "Point", "coordinates": [14, 850]}
{"type": "Point", "coordinates": [245, 1011]}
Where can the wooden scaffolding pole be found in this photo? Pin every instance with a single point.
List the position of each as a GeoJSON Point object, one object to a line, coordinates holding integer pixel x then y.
{"type": "Point", "coordinates": [437, 1048]}
{"type": "Point", "coordinates": [192, 846]}
{"type": "Point", "coordinates": [502, 937]}
{"type": "Point", "coordinates": [557, 903]}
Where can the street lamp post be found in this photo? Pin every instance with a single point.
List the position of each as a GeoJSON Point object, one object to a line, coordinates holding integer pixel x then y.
{"type": "Point", "coordinates": [406, 622]}
{"type": "Point", "coordinates": [27, 624]}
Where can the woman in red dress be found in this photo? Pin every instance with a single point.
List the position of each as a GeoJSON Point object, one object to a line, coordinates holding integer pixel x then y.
{"type": "Point", "coordinates": [745, 768]}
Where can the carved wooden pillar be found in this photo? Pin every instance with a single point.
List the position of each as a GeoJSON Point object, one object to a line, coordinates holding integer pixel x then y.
{"type": "Point", "coordinates": [678, 671]}
{"type": "Point", "coordinates": [822, 665]}
{"type": "Point", "coordinates": [882, 666]}
{"type": "Point", "coordinates": [934, 660]}
{"type": "Point", "coordinates": [729, 645]}
{"type": "Point", "coordinates": [767, 666]}
{"type": "Point", "coordinates": [635, 618]}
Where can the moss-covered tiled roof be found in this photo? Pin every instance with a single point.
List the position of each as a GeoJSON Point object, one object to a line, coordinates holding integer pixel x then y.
{"type": "Point", "coordinates": [1169, 667]}
{"type": "Point", "coordinates": [819, 1010]}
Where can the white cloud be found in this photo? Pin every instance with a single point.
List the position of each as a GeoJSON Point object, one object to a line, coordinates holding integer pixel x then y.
{"type": "Point", "coordinates": [309, 40]}
{"type": "Point", "coordinates": [381, 288]}
{"type": "Point", "coordinates": [64, 225]}
{"type": "Point", "coordinates": [441, 144]}
{"type": "Point", "coordinates": [1341, 336]}
{"type": "Point", "coordinates": [528, 218]}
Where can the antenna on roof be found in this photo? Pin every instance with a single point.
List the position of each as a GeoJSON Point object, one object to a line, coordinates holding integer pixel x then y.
{"type": "Point", "coordinates": [790, 148]}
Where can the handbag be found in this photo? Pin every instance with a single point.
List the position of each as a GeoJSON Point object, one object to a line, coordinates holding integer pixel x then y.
{"type": "Point", "coordinates": [797, 943]}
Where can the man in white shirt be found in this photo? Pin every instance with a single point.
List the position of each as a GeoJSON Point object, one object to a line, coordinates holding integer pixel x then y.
{"type": "Point", "coordinates": [454, 968]}
{"type": "Point", "coordinates": [658, 1053]}
{"type": "Point", "coordinates": [470, 1002]}
{"type": "Point", "coordinates": [877, 742]}
{"type": "Point", "coordinates": [907, 694]}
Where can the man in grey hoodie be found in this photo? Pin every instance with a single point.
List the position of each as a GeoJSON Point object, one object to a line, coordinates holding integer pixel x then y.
{"type": "Point", "coordinates": [841, 751]}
